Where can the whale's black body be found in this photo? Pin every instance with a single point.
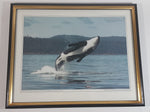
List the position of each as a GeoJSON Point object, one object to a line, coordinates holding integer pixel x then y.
{"type": "Point", "coordinates": [77, 51]}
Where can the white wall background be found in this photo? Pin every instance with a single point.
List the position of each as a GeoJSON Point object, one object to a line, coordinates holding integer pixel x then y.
{"type": "Point", "coordinates": [144, 30]}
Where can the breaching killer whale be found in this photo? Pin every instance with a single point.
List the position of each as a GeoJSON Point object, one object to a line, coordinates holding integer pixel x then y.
{"type": "Point", "coordinates": [77, 51]}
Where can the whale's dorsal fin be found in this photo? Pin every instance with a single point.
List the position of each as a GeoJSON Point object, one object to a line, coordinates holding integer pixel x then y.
{"type": "Point", "coordinates": [75, 46]}
{"type": "Point", "coordinates": [78, 44]}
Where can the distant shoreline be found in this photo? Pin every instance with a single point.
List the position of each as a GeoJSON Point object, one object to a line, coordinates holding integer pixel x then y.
{"type": "Point", "coordinates": [55, 45]}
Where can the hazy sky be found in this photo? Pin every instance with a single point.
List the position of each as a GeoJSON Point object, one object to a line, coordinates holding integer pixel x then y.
{"type": "Point", "coordinates": [46, 27]}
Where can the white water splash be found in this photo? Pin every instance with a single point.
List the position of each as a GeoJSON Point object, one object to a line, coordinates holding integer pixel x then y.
{"type": "Point", "coordinates": [48, 70]}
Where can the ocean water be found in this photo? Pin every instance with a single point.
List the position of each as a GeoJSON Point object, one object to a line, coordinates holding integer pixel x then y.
{"type": "Point", "coordinates": [93, 72]}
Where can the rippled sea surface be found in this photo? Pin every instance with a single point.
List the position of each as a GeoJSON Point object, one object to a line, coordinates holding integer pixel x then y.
{"type": "Point", "coordinates": [93, 72]}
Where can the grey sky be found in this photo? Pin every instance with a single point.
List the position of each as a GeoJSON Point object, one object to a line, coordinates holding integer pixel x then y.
{"type": "Point", "coordinates": [46, 27]}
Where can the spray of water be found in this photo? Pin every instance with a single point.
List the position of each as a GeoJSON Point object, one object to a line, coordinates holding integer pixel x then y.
{"type": "Point", "coordinates": [49, 70]}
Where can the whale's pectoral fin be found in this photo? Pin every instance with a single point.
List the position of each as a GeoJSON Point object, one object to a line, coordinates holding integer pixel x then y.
{"type": "Point", "coordinates": [80, 58]}
{"type": "Point", "coordinates": [78, 44]}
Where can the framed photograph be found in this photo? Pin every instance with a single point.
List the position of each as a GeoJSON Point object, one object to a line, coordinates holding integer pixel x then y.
{"type": "Point", "coordinates": [74, 55]}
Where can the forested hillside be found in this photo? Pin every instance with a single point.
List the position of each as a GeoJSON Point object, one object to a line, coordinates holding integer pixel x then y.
{"type": "Point", "coordinates": [58, 43]}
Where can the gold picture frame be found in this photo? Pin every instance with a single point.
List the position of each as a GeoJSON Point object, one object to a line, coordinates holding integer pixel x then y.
{"type": "Point", "coordinates": [18, 98]}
